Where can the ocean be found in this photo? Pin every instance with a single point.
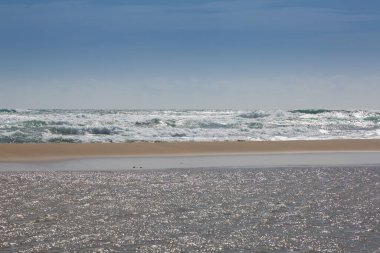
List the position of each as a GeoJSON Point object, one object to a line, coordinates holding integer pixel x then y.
{"type": "Point", "coordinates": [120, 126]}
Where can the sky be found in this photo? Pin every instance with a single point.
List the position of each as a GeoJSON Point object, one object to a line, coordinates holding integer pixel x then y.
{"type": "Point", "coordinates": [190, 54]}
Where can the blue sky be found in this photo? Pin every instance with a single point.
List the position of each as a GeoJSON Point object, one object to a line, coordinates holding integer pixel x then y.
{"type": "Point", "coordinates": [238, 54]}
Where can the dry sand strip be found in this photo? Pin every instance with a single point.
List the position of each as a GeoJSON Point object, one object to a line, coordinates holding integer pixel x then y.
{"type": "Point", "coordinates": [45, 152]}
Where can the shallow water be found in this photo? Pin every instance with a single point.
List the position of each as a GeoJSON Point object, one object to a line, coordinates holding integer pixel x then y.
{"type": "Point", "coordinates": [320, 209]}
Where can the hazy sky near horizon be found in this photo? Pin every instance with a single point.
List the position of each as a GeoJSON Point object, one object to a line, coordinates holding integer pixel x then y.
{"type": "Point", "coordinates": [218, 54]}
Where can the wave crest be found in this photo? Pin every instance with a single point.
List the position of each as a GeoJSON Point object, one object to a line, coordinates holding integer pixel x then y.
{"type": "Point", "coordinates": [254, 115]}
{"type": "Point", "coordinates": [311, 111]}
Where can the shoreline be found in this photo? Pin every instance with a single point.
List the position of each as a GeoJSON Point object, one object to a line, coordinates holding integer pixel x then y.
{"type": "Point", "coordinates": [63, 151]}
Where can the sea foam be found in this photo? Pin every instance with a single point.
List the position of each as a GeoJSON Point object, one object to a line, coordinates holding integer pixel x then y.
{"type": "Point", "coordinates": [88, 126]}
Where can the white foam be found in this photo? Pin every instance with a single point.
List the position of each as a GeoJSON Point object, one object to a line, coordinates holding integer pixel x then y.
{"type": "Point", "coordinates": [205, 125]}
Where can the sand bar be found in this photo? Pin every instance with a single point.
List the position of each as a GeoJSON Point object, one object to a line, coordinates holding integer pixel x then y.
{"type": "Point", "coordinates": [46, 152]}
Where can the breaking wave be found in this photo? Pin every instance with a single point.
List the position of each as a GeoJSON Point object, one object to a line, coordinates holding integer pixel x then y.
{"type": "Point", "coordinates": [8, 111]}
{"type": "Point", "coordinates": [86, 126]}
{"type": "Point", "coordinates": [311, 111]}
{"type": "Point", "coordinates": [254, 115]}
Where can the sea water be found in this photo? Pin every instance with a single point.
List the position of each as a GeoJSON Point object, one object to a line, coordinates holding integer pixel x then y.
{"type": "Point", "coordinates": [89, 126]}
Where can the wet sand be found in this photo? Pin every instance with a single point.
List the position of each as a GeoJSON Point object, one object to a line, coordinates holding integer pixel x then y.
{"type": "Point", "coordinates": [40, 152]}
{"type": "Point", "coordinates": [256, 160]}
{"type": "Point", "coordinates": [296, 196]}
{"type": "Point", "coordinates": [273, 210]}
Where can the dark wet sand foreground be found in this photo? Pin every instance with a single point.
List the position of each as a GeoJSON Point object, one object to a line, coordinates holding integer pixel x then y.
{"type": "Point", "coordinates": [319, 209]}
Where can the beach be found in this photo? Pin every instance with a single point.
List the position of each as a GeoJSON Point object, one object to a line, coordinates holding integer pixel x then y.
{"type": "Point", "coordinates": [49, 151]}
{"type": "Point", "coordinates": [189, 126]}
{"type": "Point", "coordinates": [285, 196]}
{"type": "Point", "coordinates": [312, 209]}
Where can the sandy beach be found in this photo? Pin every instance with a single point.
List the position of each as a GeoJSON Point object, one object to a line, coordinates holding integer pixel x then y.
{"type": "Point", "coordinates": [46, 152]}
{"type": "Point", "coordinates": [318, 209]}
{"type": "Point", "coordinates": [302, 196]}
